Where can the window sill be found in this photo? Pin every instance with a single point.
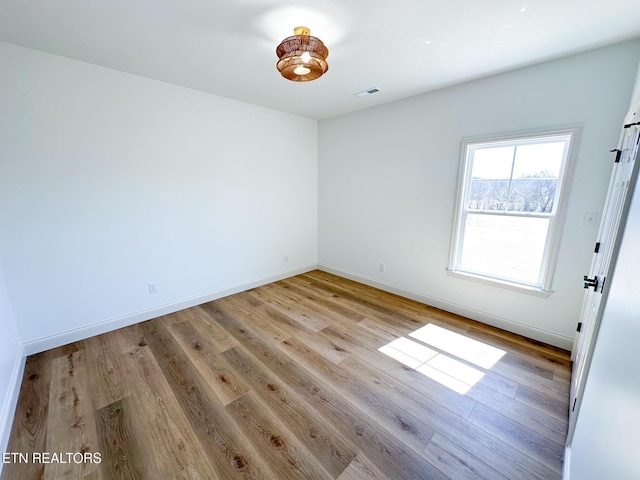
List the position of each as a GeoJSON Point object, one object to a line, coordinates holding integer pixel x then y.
{"type": "Point", "coordinates": [529, 290]}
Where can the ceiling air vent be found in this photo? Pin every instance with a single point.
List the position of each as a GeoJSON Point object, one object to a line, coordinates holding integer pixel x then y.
{"type": "Point", "coordinates": [369, 91]}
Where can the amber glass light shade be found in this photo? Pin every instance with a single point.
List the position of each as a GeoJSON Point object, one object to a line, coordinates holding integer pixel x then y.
{"type": "Point", "coordinates": [302, 58]}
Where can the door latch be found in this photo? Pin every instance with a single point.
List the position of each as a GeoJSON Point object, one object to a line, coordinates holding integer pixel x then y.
{"type": "Point", "coordinates": [591, 282]}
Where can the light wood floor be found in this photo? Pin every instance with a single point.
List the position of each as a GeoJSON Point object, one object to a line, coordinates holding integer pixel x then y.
{"type": "Point", "coordinates": [285, 381]}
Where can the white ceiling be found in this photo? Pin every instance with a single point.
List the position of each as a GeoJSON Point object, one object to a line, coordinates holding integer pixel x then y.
{"type": "Point", "coordinates": [404, 47]}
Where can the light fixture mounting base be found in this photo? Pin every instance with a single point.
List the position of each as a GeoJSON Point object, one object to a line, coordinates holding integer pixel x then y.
{"type": "Point", "coordinates": [301, 31]}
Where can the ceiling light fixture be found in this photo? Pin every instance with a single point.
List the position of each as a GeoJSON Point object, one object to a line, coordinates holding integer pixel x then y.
{"type": "Point", "coordinates": [302, 58]}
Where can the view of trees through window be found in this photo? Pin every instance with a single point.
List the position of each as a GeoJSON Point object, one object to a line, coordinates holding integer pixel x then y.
{"type": "Point", "coordinates": [533, 192]}
{"type": "Point", "coordinates": [516, 178]}
{"type": "Point", "coordinates": [510, 194]}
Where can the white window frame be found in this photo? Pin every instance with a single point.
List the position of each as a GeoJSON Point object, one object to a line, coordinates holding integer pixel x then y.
{"type": "Point", "coordinates": [556, 217]}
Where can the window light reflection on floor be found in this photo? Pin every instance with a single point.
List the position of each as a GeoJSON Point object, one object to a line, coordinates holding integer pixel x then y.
{"type": "Point", "coordinates": [466, 348]}
{"type": "Point", "coordinates": [441, 367]}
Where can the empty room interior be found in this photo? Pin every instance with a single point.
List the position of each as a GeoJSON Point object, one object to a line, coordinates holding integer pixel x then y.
{"type": "Point", "coordinates": [319, 240]}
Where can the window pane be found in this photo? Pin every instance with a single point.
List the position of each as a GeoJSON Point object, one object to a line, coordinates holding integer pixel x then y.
{"type": "Point", "coordinates": [486, 194]}
{"type": "Point", "coordinates": [535, 177]}
{"type": "Point", "coordinates": [492, 163]}
{"type": "Point", "coordinates": [532, 194]}
{"type": "Point", "coordinates": [505, 247]}
{"type": "Point", "coordinates": [539, 157]}
{"type": "Point", "coordinates": [490, 174]}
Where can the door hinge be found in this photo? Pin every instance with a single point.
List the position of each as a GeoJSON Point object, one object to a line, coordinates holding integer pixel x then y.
{"type": "Point", "coordinates": [618, 154]}
{"type": "Point", "coordinates": [597, 249]}
{"type": "Point", "coordinates": [591, 282]}
{"type": "Point", "coordinates": [574, 404]}
{"type": "Point", "coordinates": [579, 329]}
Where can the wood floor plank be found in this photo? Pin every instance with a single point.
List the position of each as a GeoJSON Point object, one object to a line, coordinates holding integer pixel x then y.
{"type": "Point", "coordinates": [126, 339]}
{"type": "Point", "coordinates": [95, 475]}
{"type": "Point", "coordinates": [304, 292]}
{"type": "Point", "coordinates": [258, 323]}
{"type": "Point", "coordinates": [307, 317]}
{"type": "Point", "coordinates": [501, 400]}
{"type": "Point", "coordinates": [286, 380]}
{"type": "Point", "coordinates": [284, 321]}
{"type": "Point", "coordinates": [562, 381]}
{"type": "Point", "coordinates": [390, 332]}
{"type": "Point", "coordinates": [322, 440]}
{"type": "Point", "coordinates": [121, 456]}
{"type": "Point", "coordinates": [288, 458]}
{"type": "Point", "coordinates": [544, 401]}
{"type": "Point", "coordinates": [464, 433]}
{"type": "Point", "coordinates": [530, 374]}
{"type": "Point", "coordinates": [215, 334]}
{"type": "Point", "coordinates": [395, 309]}
{"type": "Point", "coordinates": [361, 468]}
{"type": "Point", "coordinates": [394, 458]}
{"type": "Point", "coordinates": [411, 382]}
{"type": "Point", "coordinates": [517, 344]}
{"type": "Point", "coordinates": [410, 377]}
{"type": "Point", "coordinates": [209, 361]}
{"type": "Point", "coordinates": [108, 373]}
{"type": "Point", "coordinates": [70, 348]}
{"type": "Point", "coordinates": [70, 424]}
{"type": "Point", "coordinates": [354, 337]}
{"type": "Point", "coordinates": [457, 462]}
{"type": "Point", "coordinates": [491, 379]}
{"type": "Point", "coordinates": [540, 421]}
{"type": "Point", "coordinates": [157, 424]}
{"type": "Point", "coordinates": [295, 376]}
{"type": "Point", "coordinates": [231, 454]}
{"type": "Point", "coordinates": [404, 425]}
{"type": "Point", "coordinates": [319, 306]}
{"type": "Point", "coordinates": [372, 306]}
{"type": "Point", "coordinates": [525, 440]}
{"type": "Point", "coordinates": [29, 431]}
{"type": "Point", "coordinates": [325, 346]}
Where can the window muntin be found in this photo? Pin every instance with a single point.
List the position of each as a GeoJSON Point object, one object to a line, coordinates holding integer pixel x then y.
{"type": "Point", "coordinates": [509, 199]}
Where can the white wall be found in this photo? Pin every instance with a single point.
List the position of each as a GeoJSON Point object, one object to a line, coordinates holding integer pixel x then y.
{"type": "Point", "coordinates": [388, 178]}
{"type": "Point", "coordinates": [109, 181]}
{"type": "Point", "coordinates": [11, 364]}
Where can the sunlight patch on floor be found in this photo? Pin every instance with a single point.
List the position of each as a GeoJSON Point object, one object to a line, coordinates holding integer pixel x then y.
{"type": "Point", "coordinates": [458, 345]}
{"type": "Point", "coordinates": [411, 353]}
{"type": "Point", "coordinates": [441, 367]}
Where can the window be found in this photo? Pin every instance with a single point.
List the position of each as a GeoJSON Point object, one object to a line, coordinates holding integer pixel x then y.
{"type": "Point", "coordinates": [509, 207]}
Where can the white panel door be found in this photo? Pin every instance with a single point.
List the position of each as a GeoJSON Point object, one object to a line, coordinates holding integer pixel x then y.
{"type": "Point", "coordinates": [623, 174]}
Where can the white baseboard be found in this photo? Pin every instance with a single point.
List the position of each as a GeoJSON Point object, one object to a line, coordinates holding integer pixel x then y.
{"type": "Point", "coordinates": [528, 331]}
{"type": "Point", "coordinates": [566, 464]}
{"type": "Point", "coordinates": [52, 341]}
{"type": "Point", "coordinates": [10, 400]}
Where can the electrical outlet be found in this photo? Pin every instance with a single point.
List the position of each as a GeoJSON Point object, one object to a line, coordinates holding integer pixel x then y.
{"type": "Point", "coordinates": [286, 258]}
{"type": "Point", "coordinates": [382, 267]}
{"type": "Point", "coordinates": [153, 288]}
